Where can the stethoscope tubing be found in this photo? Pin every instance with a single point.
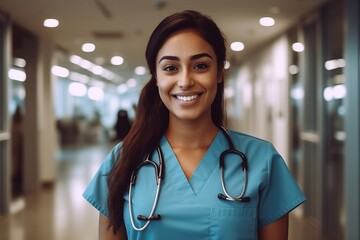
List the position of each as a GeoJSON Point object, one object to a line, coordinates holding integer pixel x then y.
{"type": "Point", "coordinates": [149, 218]}
{"type": "Point", "coordinates": [159, 176]}
{"type": "Point", "coordinates": [232, 150]}
{"type": "Point", "coordinates": [227, 195]}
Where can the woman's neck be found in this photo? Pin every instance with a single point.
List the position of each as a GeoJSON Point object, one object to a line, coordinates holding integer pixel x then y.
{"type": "Point", "coordinates": [191, 134]}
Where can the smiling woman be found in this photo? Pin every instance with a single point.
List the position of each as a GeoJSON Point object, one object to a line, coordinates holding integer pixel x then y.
{"type": "Point", "coordinates": [179, 131]}
{"type": "Point", "coordinates": [187, 76]}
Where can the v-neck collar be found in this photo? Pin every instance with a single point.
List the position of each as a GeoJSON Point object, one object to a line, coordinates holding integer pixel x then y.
{"type": "Point", "coordinates": [175, 176]}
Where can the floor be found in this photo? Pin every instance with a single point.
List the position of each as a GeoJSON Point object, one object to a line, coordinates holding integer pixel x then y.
{"type": "Point", "coordinates": [60, 213]}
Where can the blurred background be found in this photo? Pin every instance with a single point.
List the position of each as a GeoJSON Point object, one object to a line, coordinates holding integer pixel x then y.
{"type": "Point", "coordinates": [70, 76]}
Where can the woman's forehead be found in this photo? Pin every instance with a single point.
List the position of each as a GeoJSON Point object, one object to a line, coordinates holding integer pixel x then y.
{"type": "Point", "coordinates": [186, 42]}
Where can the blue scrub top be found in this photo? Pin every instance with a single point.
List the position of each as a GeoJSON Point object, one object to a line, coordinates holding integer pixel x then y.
{"type": "Point", "coordinates": [190, 209]}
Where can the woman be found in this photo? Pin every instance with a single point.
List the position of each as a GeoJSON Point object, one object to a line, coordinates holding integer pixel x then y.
{"type": "Point", "coordinates": [181, 110]}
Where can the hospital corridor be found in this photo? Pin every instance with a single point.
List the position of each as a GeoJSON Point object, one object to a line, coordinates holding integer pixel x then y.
{"type": "Point", "coordinates": [59, 212]}
{"type": "Point", "coordinates": [71, 73]}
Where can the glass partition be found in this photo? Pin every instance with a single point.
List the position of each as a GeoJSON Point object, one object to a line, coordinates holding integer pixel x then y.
{"type": "Point", "coordinates": [334, 94]}
{"type": "Point", "coordinates": [4, 121]}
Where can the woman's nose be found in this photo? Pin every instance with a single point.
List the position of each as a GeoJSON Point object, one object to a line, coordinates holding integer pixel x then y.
{"type": "Point", "coordinates": [185, 80]}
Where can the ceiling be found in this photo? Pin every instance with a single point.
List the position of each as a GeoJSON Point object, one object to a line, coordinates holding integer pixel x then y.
{"type": "Point", "coordinates": [119, 27]}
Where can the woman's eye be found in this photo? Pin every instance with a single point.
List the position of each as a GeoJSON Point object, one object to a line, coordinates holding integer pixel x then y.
{"type": "Point", "coordinates": [169, 68]}
{"type": "Point", "coordinates": [201, 66]}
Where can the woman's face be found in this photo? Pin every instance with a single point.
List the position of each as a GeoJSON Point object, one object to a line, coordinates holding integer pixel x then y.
{"type": "Point", "coordinates": [187, 75]}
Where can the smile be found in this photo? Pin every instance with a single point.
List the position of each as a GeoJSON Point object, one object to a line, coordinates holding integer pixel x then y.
{"type": "Point", "coordinates": [187, 98]}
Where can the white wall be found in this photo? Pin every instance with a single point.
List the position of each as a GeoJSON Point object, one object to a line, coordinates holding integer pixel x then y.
{"type": "Point", "coordinates": [261, 100]}
{"type": "Point", "coordinates": [47, 128]}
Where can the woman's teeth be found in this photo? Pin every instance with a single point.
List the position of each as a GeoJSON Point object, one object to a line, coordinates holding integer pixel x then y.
{"type": "Point", "coordinates": [187, 98]}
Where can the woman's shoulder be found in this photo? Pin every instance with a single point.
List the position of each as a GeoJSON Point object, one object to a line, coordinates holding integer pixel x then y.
{"type": "Point", "coordinates": [252, 144]}
{"type": "Point", "coordinates": [112, 157]}
{"type": "Point", "coordinates": [258, 151]}
{"type": "Point", "coordinates": [116, 148]}
{"type": "Point", "coordinates": [238, 136]}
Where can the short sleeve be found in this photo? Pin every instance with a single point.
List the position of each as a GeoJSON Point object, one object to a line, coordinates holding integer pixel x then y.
{"type": "Point", "coordinates": [96, 192]}
{"type": "Point", "coordinates": [281, 193]}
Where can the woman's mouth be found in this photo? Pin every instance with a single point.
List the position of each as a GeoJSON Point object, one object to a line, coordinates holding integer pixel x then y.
{"type": "Point", "coordinates": [187, 98]}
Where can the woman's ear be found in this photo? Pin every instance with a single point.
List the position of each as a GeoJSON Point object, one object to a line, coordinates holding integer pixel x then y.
{"type": "Point", "coordinates": [220, 77]}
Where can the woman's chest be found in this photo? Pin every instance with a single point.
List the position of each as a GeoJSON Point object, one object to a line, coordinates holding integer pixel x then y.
{"type": "Point", "coordinates": [191, 208]}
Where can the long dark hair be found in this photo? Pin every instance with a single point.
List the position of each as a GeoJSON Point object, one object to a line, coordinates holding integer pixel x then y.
{"type": "Point", "coordinates": [152, 117]}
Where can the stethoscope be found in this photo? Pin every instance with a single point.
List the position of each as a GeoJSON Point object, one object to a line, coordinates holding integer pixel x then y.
{"type": "Point", "coordinates": [159, 175]}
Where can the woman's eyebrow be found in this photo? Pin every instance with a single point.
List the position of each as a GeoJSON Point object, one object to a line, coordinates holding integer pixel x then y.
{"type": "Point", "coordinates": [169, 58]}
{"type": "Point", "coordinates": [200, 55]}
{"type": "Point", "coordinates": [196, 56]}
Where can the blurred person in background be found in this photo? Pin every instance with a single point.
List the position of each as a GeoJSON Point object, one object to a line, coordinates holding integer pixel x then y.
{"type": "Point", "coordinates": [122, 125]}
{"type": "Point", "coordinates": [17, 151]}
{"type": "Point", "coordinates": [178, 130]}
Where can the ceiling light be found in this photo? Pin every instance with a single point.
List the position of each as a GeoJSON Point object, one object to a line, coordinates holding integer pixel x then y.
{"type": "Point", "coordinates": [95, 93]}
{"type": "Point", "coordinates": [237, 46]}
{"type": "Point", "coordinates": [117, 60]}
{"type": "Point", "coordinates": [88, 47]}
{"type": "Point", "coordinates": [131, 82]}
{"type": "Point", "coordinates": [19, 62]}
{"type": "Point", "coordinates": [339, 91]}
{"type": "Point", "coordinates": [77, 89]}
{"type": "Point", "coordinates": [328, 94]}
{"type": "Point", "coordinates": [334, 64]}
{"type": "Point", "coordinates": [122, 88]}
{"type": "Point", "coordinates": [60, 71]}
{"type": "Point", "coordinates": [293, 69]}
{"type": "Point", "coordinates": [140, 70]}
{"type": "Point", "coordinates": [267, 21]}
{"type": "Point", "coordinates": [75, 59]}
{"type": "Point", "coordinates": [17, 75]}
{"type": "Point", "coordinates": [298, 47]}
{"type": "Point", "coordinates": [108, 74]}
{"type": "Point", "coordinates": [97, 70]}
{"type": "Point", "coordinates": [86, 64]}
{"type": "Point", "coordinates": [75, 76]}
{"type": "Point", "coordinates": [297, 93]}
{"type": "Point", "coordinates": [51, 23]}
